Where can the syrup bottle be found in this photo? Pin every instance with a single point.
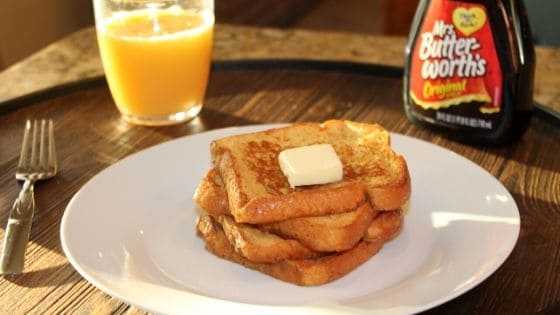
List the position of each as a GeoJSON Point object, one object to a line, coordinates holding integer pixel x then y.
{"type": "Point", "coordinates": [469, 69]}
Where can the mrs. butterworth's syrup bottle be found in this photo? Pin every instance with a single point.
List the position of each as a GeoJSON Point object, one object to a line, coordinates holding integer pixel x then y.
{"type": "Point", "coordinates": [469, 69]}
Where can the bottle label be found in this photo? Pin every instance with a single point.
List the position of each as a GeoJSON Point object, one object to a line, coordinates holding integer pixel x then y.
{"type": "Point", "coordinates": [455, 75]}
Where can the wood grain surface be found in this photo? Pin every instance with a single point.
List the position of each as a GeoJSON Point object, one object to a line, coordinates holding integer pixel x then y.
{"type": "Point", "coordinates": [91, 136]}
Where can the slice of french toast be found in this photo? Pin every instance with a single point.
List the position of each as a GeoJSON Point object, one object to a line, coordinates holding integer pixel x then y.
{"type": "Point", "coordinates": [304, 272]}
{"type": "Point", "coordinates": [258, 191]}
{"type": "Point", "coordinates": [329, 233]}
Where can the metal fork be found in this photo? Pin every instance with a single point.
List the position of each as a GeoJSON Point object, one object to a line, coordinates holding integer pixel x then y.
{"type": "Point", "coordinates": [37, 162]}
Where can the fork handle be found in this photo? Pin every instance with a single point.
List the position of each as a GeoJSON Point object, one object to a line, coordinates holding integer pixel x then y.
{"type": "Point", "coordinates": [17, 231]}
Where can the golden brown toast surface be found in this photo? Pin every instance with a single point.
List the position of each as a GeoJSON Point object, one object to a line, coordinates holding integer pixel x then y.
{"type": "Point", "coordinates": [305, 272]}
{"type": "Point", "coordinates": [258, 191]}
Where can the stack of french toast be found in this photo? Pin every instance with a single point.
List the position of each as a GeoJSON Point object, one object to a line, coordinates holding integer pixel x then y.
{"type": "Point", "coordinates": [305, 235]}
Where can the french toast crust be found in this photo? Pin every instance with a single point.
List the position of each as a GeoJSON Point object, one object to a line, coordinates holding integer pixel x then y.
{"type": "Point", "coordinates": [386, 226]}
{"type": "Point", "coordinates": [393, 196]}
{"type": "Point", "coordinates": [210, 194]}
{"type": "Point", "coordinates": [231, 181]}
{"type": "Point", "coordinates": [260, 246]}
{"type": "Point", "coordinates": [323, 200]}
{"type": "Point", "coordinates": [304, 272]}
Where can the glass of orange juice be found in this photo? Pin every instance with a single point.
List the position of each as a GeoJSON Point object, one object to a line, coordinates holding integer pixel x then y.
{"type": "Point", "coordinates": [156, 56]}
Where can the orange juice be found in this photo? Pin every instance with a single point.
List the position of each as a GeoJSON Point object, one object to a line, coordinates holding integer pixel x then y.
{"type": "Point", "coordinates": [157, 62]}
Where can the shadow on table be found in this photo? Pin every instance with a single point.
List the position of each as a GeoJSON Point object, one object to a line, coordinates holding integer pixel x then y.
{"type": "Point", "coordinates": [47, 277]}
{"type": "Point", "coordinates": [535, 152]}
{"type": "Point", "coordinates": [208, 119]}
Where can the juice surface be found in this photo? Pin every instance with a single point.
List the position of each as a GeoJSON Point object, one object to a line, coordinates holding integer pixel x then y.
{"type": "Point", "coordinates": [156, 61]}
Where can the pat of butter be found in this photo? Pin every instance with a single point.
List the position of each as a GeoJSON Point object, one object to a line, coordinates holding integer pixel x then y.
{"type": "Point", "coordinates": [311, 165]}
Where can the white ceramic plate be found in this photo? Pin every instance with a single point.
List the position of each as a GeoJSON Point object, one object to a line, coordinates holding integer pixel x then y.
{"type": "Point", "coordinates": [131, 232]}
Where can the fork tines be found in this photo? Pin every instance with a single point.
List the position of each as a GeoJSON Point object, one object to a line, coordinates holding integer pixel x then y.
{"type": "Point", "coordinates": [38, 148]}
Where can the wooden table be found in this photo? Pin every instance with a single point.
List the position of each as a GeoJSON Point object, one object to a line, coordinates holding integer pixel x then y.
{"type": "Point", "coordinates": [91, 136]}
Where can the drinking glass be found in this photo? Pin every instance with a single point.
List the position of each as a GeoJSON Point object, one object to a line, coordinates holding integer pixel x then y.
{"type": "Point", "coordinates": [156, 56]}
